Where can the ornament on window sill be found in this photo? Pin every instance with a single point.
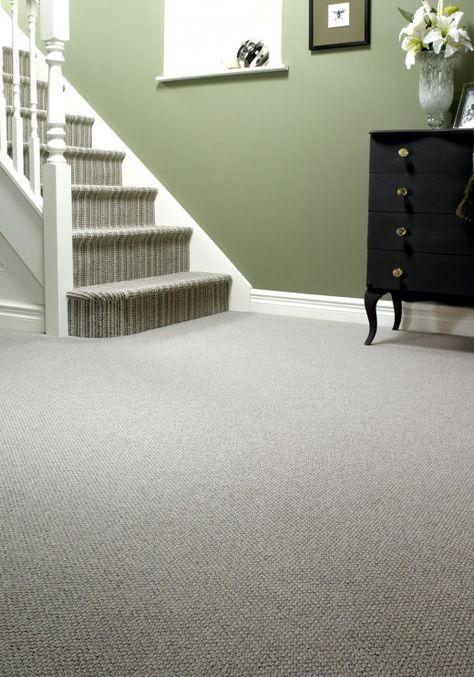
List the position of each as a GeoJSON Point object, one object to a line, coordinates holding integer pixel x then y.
{"type": "Point", "coordinates": [252, 54]}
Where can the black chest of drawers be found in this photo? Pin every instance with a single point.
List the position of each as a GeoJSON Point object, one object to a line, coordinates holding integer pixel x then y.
{"type": "Point", "coordinates": [418, 249]}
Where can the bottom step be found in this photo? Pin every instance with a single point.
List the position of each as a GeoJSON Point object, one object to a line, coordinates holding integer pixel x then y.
{"type": "Point", "coordinates": [132, 306]}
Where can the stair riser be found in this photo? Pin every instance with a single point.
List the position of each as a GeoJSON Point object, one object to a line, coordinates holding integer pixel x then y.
{"type": "Point", "coordinates": [77, 133]}
{"type": "Point", "coordinates": [92, 172]}
{"type": "Point", "coordinates": [42, 93]}
{"type": "Point", "coordinates": [122, 317]}
{"type": "Point", "coordinates": [101, 261]}
{"type": "Point", "coordinates": [91, 211]}
{"type": "Point", "coordinates": [8, 62]}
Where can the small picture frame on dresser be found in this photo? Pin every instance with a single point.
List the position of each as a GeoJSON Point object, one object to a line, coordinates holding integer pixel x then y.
{"type": "Point", "coordinates": [465, 114]}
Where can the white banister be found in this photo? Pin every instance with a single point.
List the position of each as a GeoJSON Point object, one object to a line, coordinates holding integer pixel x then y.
{"type": "Point", "coordinates": [57, 200]}
{"type": "Point", "coordinates": [3, 110]}
{"type": "Point", "coordinates": [17, 123]}
{"type": "Point", "coordinates": [56, 174]}
{"type": "Point", "coordinates": [33, 142]}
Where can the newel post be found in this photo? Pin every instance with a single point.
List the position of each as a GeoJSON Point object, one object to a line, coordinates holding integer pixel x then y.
{"type": "Point", "coordinates": [56, 173]}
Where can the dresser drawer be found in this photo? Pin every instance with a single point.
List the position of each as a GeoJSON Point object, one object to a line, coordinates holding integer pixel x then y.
{"type": "Point", "coordinates": [412, 153]}
{"type": "Point", "coordinates": [424, 273]}
{"type": "Point", "coordinates": [431, 233]}
{"type": "Point", "coordinates": [429, 193]}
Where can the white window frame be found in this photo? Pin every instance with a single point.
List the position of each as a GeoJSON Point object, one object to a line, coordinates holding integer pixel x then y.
{"type": "Point", "coordinates": [202, 37]}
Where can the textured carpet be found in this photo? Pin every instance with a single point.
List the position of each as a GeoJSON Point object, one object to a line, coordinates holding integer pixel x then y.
{"type": "Point", "coordinates": [239, 495]}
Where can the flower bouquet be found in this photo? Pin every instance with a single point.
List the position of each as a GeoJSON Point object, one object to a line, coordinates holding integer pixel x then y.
{"type": "Point", "coordinates": [437, 30]}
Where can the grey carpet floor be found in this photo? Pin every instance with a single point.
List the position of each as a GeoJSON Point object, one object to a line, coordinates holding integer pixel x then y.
{"type": "Point", "coordinates": [239, 495]}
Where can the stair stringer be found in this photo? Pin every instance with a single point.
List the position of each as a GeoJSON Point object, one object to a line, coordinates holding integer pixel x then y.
{"type": "Point", "coordinates": [21, 219]}
{"type": "Point", "coordinates": [21, 295]}
{"type": "Point", "coordinates": [21, 253]}
{"type": "Point", "coordinates": [205, 255]}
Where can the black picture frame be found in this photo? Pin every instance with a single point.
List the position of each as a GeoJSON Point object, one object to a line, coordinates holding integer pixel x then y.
{"type": "Point", "coordinates": [324, 33]}
{"type": "Point", "coordinates": [465, 113]}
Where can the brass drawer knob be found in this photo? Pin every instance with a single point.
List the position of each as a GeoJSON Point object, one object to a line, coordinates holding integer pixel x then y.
{"type": "Point", "coordinates": [397, 272]}
{"type": "Point", "coordinates": [404, 152]}
{"type": "Point", "coordinates": [402, 192]}
{"type": "Point", "coordinates": [401, 232]}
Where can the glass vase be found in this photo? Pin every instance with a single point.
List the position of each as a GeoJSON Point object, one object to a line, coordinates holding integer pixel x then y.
{"type": "Point", "coordinates": [436, 87]}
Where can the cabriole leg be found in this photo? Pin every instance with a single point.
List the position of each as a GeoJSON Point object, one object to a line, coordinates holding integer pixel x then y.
{"type": "Point", "coordinates": [397, 307]}
{"type": "Point", "coordinates": [370, 300]}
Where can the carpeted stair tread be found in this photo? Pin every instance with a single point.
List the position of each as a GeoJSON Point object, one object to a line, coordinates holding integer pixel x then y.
{"type": "Point", "coordinates": [148, 285]}
{"type": "Point", "coordinates": [95, 206]}
{"type": "Point", "coordinates": [78, 127]}
{"type": "Point", "coordinates": [24, 79]}
{"type": "Point", "coordinates": [42, 113]}
{"type": "Point", "coordinates": [95, 153]}
{"type": "Point", "coordinates": [79, 151]}
{"type": "Point", "coordinates": [120, 191]}
{"type": "Point", "coordinates": [92, 166]}
{"type": "Point", "coordinates": [108, 255]}
{"type": "Point", "coordinates": [118, 232]}
{"type": "Point", "coordinates": [124, 308]}
{"type": "Point", "coordinates": [41, 91]}
{"type": "Point", "coordinates": [24, 60]}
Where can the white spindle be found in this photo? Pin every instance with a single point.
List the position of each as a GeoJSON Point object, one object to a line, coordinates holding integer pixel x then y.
{"type": "Point", "coordinates": [3, 111]}
{"type": "Point", "coordinates": [17, 123]}
{"type": "Point", "coordinates": [33, 143]}
{"type": "Point", "coordinates": [56, 173]}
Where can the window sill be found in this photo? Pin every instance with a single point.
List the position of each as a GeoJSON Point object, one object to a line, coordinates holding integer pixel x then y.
{"type": "Point", "coordinates": [232, 72]}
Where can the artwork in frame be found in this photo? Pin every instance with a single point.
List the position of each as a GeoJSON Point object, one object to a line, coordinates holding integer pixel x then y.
{"type": "Point", "coordinates": [338, 24]}
{"type": "Point", "coordinates": [465, 114]}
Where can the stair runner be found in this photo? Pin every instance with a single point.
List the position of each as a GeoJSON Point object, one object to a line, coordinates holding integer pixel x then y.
{"type": "Point", "coordinates": [130, 275]}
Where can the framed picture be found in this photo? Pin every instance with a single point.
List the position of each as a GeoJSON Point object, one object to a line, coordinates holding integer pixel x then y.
{"type": "Point", "coordinates": [338, 24]}
{"type": "Point", "coordinates": [465, 114]}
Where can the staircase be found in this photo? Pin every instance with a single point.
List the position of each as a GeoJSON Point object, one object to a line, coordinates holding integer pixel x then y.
{"type": "Point", "coordinates": [130, 275]}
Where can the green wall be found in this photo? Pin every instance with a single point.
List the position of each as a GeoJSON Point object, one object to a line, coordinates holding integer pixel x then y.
{"type": "Point", "coordinates": [273, 167]}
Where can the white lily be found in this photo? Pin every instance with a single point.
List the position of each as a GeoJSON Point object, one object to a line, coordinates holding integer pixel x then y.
{"type": "Point", "coordinates": [413, 36]}
{"type": "Point", "coordinates": [447, 34]}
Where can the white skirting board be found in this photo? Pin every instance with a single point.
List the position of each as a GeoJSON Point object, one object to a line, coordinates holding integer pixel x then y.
{"type": "Point", "coordinates": [423, 317]}
{"type": "Point", "coordinates": [21, 317]}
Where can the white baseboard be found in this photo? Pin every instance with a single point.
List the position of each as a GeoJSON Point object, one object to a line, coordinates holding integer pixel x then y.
{"type": "Point", "coordinates": [21, 317]}
{"type": "Point", "coordinates": [424, 317]}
